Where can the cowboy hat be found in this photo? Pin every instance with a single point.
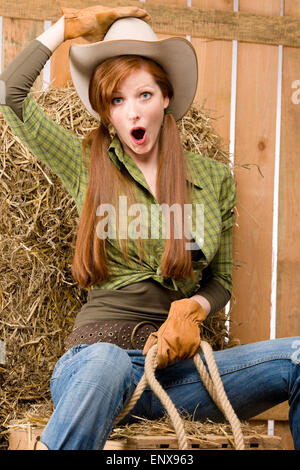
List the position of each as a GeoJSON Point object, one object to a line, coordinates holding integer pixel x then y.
{"type": "Point", "coordinates": [135, 37]}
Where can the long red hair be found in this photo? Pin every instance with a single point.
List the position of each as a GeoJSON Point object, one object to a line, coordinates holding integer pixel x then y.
{"type": "Point", "coordinates": [106, 181]}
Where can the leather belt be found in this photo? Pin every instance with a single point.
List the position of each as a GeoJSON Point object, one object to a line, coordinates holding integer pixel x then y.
{"type": "Point", "coordinates": [125, 334]}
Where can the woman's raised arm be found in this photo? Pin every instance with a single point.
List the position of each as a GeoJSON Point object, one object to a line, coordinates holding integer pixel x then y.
{"type": "Point", "coordinates": [53, 36]}
{"type": "Point", "coordinates": [18, 78]}
{"type": "Point", "coordinates": [48, 141]}
{"type": "Point", "coordinates": [58, 148]}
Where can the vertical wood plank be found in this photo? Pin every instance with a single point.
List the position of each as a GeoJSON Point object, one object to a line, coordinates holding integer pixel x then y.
{"type": "Point", "coordinates": [288, 290]}
{"type": "Point", "coordinates": [16, 35]}
{"type": "Point", "coordinates": [214, 68]}
{"type": "Point", "coordinates": [60, 72]}
{"type": "Point", "coordinates": [282, 429]}
{"type": "Point", "coordinates": [255, 145]}
{"type": "Point", "coordinates": [181, 3]}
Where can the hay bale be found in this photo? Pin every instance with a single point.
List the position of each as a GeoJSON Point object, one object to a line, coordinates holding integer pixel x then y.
{"type": "Point", "coordinates": [39, 298]}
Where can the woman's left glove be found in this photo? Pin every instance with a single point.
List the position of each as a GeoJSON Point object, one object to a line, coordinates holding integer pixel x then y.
{"type": "Point", "coordinates": [93, 22]}
{"type": "Point", "coordinates": [178, 338]}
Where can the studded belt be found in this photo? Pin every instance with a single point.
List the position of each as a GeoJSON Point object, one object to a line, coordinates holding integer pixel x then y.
{"type": "Point", "coordinates": [125, 334]}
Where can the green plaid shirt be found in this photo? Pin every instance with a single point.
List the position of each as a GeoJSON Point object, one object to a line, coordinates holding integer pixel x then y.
{"type": "Point", "coordinates": [214, 188]}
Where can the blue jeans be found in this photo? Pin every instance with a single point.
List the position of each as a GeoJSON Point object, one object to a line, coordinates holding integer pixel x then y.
{"type": "Point", "coordinates": [91, 384]}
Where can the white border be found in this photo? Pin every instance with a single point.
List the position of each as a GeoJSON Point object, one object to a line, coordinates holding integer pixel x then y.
{"type": "Point", "coordinates": [276, 205]}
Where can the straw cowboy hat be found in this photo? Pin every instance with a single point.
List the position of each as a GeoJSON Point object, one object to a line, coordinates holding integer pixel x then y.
{"type": "Point", "coordinates": [135, 37]}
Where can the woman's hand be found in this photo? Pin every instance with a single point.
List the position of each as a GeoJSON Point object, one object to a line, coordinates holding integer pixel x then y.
{"type": "Point", "coordinates": [93, 22]}
{"type": "Point", "coordinates": [178, 338]}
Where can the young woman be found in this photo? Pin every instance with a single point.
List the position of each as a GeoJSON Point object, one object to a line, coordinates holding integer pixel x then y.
{"type": "Point", "coordinates": [153, 281]}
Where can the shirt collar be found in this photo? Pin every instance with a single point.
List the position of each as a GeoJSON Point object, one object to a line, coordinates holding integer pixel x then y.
{"type": "Point", "coordinates": [119, 157]}
{"type": "Point", "coordinates": [115, 152]}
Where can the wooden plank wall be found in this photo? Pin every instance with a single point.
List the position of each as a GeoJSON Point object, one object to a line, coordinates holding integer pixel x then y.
{"type": "Point", "coordinates": [238, 82]}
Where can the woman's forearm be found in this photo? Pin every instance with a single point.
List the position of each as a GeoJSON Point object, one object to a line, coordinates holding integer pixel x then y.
{"type": "Point", "coordinates": [203, 302]}
{"type": "Point", "coordinates": [53, 36]}
{"type": "Point", "coordinates": [212, 296]}
{"type": "Point", "coordinates": [19, 76]}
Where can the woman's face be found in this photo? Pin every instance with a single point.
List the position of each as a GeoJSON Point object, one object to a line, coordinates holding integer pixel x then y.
{"type": "Point", "coordinates": [137, 112]}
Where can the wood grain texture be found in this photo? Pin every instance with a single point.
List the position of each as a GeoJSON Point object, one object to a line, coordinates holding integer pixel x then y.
{"type": "Point", "coordinates": [278, 413]}
{"type": "Point", "coordinates": [282, 429]}
{"type": "Point", "coordinates": [25, 439]}
{"type": "Point", "coordinates": [181, 3]}
{"type": "Point", "coordinates": [254, 157]}
{"type": "Point", "coordinates": [288, 286]}
{"type": "Point", "coordinates": [60, 72]}
{"type": "Point", "coordinates": [214, 72]}
{"type": "Point", "coordinates": [173, 19]}
{"type": "Point", "coordinates": [17, 34]}
{"type": "Point", "coordinates": [210, 441]}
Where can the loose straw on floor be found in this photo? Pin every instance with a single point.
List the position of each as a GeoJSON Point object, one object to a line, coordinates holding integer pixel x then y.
{"type": "Point", "coordinates": [212, 381]}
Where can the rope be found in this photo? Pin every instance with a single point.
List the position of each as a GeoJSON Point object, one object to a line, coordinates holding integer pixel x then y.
{"type": "Point", "coordinates": [215, 388]}
{"type": "Point", "coordinates": [212, 381]}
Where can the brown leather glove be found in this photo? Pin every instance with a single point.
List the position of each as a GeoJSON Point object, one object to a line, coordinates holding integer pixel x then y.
{"type": "Point", "coordinates": [178, 338]}
{"type": "Point", "coordinates": [93, 22]}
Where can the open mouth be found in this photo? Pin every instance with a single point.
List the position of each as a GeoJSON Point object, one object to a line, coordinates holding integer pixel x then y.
{"type": "Point", "coordinates": [138, 134]}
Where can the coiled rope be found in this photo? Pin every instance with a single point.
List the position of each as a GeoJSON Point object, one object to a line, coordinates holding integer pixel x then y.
{"type": "Point", "coordinates": [212, 381]}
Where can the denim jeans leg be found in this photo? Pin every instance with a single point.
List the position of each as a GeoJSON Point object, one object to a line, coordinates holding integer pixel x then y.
{"type": "Point", "coordinates": [89, 387]}
{"type": "Point", "coordinates": [255, 376]}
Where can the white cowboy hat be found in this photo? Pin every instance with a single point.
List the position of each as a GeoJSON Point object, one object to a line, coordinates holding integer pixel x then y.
{"type": "Point", "coordinates": [135, 37]}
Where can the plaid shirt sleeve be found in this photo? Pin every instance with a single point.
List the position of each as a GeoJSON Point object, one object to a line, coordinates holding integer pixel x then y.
{"type": "Point", "coordinates": [221, 265]}
{"type": "Point", "coordinates": [217, 276]}
{"type": "Point", "coordinates": [53, 145]}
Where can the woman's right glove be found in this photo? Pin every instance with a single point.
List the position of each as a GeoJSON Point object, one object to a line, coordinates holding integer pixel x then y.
{"type": "Point", "coordinates": [178, 338]}
{"type": "Point", "coordinates": [93, 22]}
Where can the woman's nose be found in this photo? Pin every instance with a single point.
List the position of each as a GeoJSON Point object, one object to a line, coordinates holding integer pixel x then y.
{"type": "Point", "coordinates": [133, 111]}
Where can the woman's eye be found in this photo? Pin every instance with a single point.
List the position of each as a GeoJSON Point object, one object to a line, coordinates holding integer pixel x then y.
{"type": "Point", "coordinates": [116, 101]}
{"type": "Point", "coordinates": [146, 95]}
